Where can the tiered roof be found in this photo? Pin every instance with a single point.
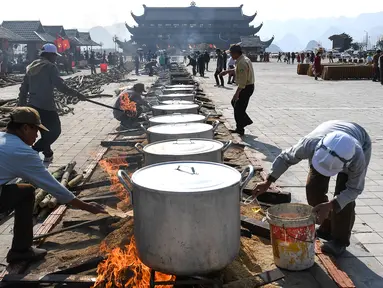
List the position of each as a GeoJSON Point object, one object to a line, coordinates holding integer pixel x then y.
{"type": "Point", "coordinates": [30, 31]}
{"type": "Point", "coordinates": [254, 41]}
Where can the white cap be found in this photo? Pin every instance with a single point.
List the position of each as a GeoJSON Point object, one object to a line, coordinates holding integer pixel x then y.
{"type": "Point", "coordinates": [50, 48]}
{"type": "Point", "coordinates": [333, 153]}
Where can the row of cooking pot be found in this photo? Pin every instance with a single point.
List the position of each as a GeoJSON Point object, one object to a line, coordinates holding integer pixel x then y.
{"type": "Point", "coordinates": [186, 210]}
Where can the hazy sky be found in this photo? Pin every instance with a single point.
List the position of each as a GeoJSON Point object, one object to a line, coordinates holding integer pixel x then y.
{"type": "Point", "coordinates": [86, 14]}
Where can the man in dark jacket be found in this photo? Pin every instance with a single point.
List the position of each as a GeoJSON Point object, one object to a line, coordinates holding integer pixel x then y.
{"type": "Point", "coordinates": [207, 60]}
{"type": "Point", "coordinates": [201, 64]}
{"type": "Point", "coordinates": [36, 91]}
{"type": "Point", "coordinates": [219, 68]}
{"type": "Point", "coordinates": [193, 63]}
{"type": "Point", "coordinates": [224, 56]}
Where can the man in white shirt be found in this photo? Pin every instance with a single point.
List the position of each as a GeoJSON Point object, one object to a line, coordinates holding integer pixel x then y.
{"type": "Point", "coordinates": [19, 160]}
{"type": "Point", "coordinates": [231, 64]}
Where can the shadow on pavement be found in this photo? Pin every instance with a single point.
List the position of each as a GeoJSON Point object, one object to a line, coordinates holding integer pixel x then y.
{"type": "Point", "coordinates": [270, 151]}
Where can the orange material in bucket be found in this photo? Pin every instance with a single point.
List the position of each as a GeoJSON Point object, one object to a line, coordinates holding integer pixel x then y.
{"type": "Point", "coordinates": [292, 229]}
{"type": "Point", "coordinates": [104, 67]}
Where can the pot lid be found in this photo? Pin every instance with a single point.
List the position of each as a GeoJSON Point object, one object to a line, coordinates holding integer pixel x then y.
{"type": "Point", "coordinates": [181, 128]}
{"type": "Point", "coordinates": [179, 89]}
{"type": "Point", "coordinates": [186, 176]}
{"type": "Point", "coordinates": [183, 147]}
{"type": "Point", "coordinates": [177, 102]}
{"type": "Point", "coordinates": [177, 95]}
{"type": "Point", "coordinates": [180, 86]}
{"type": "Point", "coordinates": [175, 107]}
{"type": "Point", "coordinates": [177, 118]}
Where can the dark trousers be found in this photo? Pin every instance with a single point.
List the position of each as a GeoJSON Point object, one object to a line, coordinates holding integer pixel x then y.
{"type": "Point", "coordinates": [201, 69]}
{"type": "Point", "coordinates": [207, 66]}
{"type": "Point", "coordinates": [137, 67]}
{"type": "Point", "coordinates": [240, 106]}
{"type": "Point", "coordinates": [376, 76]}
{"type": "Point", "coordinates": [231, 75]}
{"type": "Point", "coordinates": [194, 70]}
{"type": "Point", "coordinates": [339, 225]}
{"type": "Point", "coordinates": [216, 74]}
{"type": "Point", "coordinates": [51, 120]}
{"type": "Point", "coordinates": [21, 199]}
{"type": "Point", "coordinates": [93, 69]}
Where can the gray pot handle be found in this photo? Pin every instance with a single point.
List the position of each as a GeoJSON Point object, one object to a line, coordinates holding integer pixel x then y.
{"type": "Point", "coordinates": [207, 116]}
{"type": "Point", "coordinates": [143, 128]}
{"type": "Point", "coordinates": [123, 177]}
{"type": "Point", "coordinates": [139, 147]}
{"type": "Point", "coordinates": [225, 146]}
{"type": "Point", "coordinates": [215, 125]}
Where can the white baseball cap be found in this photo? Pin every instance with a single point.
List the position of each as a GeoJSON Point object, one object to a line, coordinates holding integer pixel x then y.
{"type": "Point", "coordinates": [50, 48]}
{"type": "Point", "coordinates": [333, 153]}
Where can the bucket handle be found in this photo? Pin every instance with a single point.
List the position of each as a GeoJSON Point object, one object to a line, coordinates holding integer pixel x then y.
{"type": "Point", "coordinates": [124, 179]}
{"type": "Point", "coordinates": [295, 238]}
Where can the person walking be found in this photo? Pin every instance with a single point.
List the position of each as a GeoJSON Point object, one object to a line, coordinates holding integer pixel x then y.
{"type": "Point", "coordinates": [92, 62]}
{"type": "Point", "coordinates": [224, 55]}
{"type": "Point", "coordinates": [375, 63]}
{"type": "Point", "coordinates": [292, 57]}
{"type": "Point", "coordinates": [219, 69]}
{"type": "Point", "coordinates": [231, 65]}
{"type": "Point", "coordinates": [334, 148]}
{"type": "Point", "coordinates": [193, 63]}
{"type": "Point", "coordinates": [201, 64]}
{"type": "Point", "coordinates": [317, 69]}
{"type": "Point", "coordinates": [279, 57]}
{"type": "Point", "coordinates": [207, 60]}
{"type": "Point", "coordinates": [37, 91]}
{"type": "Point", "coordinates": [245, 80]}
{"type": "Point", "coordinates": [137, 63]}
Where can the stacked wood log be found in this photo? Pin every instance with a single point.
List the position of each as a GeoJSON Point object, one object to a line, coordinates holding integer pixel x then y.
{"type": "Point", "coordinates": [10, 80]}
{"type": "Point", "coordinates": [347, 72]}
{"type": "Point", "coordinates": [302, 68]}
{"type": "Point", "coordinates": [44, 202]}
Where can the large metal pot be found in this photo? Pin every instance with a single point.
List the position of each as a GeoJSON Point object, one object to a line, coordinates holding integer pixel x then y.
{"type": "Point", "coordinates": [187, 215]}
{"type": "Point", "coordinates": [178, 90]}
{"type": "Point", "coordinates": [179, 131]}
{"type": "Point", "coordinates": [183, 150]}
{"type": "Point", "coordinates": [187, 97]}
{"type": "Point", "coordinates": [178, 108]}
{"type": "Point", "coordinates": [176, 102]}
{"type": "Point", "coordinates": [177, 118]}
{"type": "Point", "coordinates": [181, 86]}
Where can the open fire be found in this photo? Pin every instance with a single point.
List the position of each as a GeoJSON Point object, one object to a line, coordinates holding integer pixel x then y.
{"type": "Point", "coordinates": [122, 267]}
{"type": "Point", "coordinates": [128, 105]}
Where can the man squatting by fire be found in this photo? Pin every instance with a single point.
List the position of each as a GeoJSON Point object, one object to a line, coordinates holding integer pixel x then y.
{"type": "Point", "coordinates": [333, 148]}
{"type": "Point", "coordinates": [131, 101]}
{"type": "Point", "coordinates": [20, 160]}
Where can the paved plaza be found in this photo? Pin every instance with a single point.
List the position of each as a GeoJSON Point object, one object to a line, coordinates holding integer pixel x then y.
{"type": "Point", "coordinates": [286, 106]}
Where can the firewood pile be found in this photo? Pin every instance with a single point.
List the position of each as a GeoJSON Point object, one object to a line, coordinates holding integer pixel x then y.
{"type": "Point", "coordinates": [89, 85]}
{"type": "Point", "coordinates": [347, 72]}
{"type": "Point", "coordinates": [10, 80]}
{"type": "Point", "coordinates": [44, 202]}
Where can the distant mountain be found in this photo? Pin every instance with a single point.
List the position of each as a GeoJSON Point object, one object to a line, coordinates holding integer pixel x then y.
{"type": "Point", "coordinates": [320, 29]}
{"type": "Point", "coordinates": [101, 35]}
{"type": "Point", "coordinates": [119, 29]}
{"type": "Point", "coordinates": [312, 45]}
{"type": "Point", "coordinates": [289, 43]}
{"type": "Point", "coordinates": [273, 49]}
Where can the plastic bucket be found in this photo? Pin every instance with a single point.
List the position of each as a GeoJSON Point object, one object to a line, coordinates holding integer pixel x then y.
{"type": "Point", "coordinates": [104, 67]}
{"type": "Point", "coordinates": [292, 229]}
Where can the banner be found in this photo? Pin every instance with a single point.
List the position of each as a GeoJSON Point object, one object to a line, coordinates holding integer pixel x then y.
{"type": "Point", "coordinates": [59, 44]}
{"type": "Point", "coordinates": [65, 44]}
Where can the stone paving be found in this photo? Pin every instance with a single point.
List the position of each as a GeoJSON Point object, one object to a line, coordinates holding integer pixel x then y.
{"type": "Point", "coordinates": [80, 138]}
{"type": "Point", "coordinates": [286, 106]}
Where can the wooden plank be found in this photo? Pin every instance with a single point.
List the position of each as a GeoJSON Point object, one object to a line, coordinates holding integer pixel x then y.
{"type": "Point", "coordinates": [91, 185]}
{"type": "Point", "coordinates": [258, 280]}
{"type": "Point", "coordinates": [340, 277]}
{"type": "Point", "coordinates": [118, 143]}
{"type": "Point", "coordinates": [49, 279]}
{"type": "Point", "coordinates": [256, 227]}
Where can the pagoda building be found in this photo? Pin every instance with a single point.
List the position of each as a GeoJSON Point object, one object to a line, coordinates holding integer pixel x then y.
{"type": "Point", "coordinates": [186, 27]}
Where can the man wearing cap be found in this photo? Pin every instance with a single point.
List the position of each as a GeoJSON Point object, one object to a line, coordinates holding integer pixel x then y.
{"type": "Point", "coordinates": [129, 119]}
{"type": "Point", "coordinates": [36, 91]}
{"type": "Point", "coordinates": [19, 160]}
{"type": "Point", "coordinates": [334, 148]}
{"type": "Point", "coordinates": [244, 75]}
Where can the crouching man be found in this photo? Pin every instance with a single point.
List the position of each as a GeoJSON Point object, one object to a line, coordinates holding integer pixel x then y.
{"type": "Point", "coordinates": [334, 148]}
{"type": "Point", "coordinates": [131, 101]}
{"type": "Point", "coordinates": [19, 160]}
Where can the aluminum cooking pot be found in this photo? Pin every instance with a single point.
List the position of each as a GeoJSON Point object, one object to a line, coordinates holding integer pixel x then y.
{"type": "Point", "coordinates": [178, 131]}
{"type": "Point", "coordinates": [178, 90]}
{"type": "Point", "coordinates": [187, 215]}
{"type": "Point", "coordinates": [181, 86]}
{"type": "Point", "coordinates": [170, 109]}
{"type": "Point", "coordinates": [178, 96]}
{"type": "Point", "coordinates": [176, 102]}
{"type": "Point", "coordinates": [177, 118]}
{"type": "Point", "coordinates": [183, 150]}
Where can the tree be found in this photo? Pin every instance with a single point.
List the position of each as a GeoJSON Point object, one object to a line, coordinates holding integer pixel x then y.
{"type": "Point", "coordinates": [357, 46]}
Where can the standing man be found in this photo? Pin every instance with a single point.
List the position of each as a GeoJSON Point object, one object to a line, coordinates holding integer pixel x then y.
{"type": "Point", "coordinates": [219, 69]}
{"type": "Point", "coordinates": [201, 64]}
{"type": "Point", "coordinates": [224, 54]}
{"type": "Point", "coordinates": [36, 91]}
{"type": "Point", "coordinates": [334, 148]}
{"type": "Point", "coordinates": [207, 60]}
{"type": "Point", "coordinates": [231, 65]}
{"type": "Point", "coordinates": [244, 74]}
{"type": "Point", "coordinates": [193, 63]}
{"type": "Point", "coordinates": [375, 63]}
{"type": "Point", "coordinates": [19, 160]}
{"type": "Point", "coordinates": [136, 62]}
{"type": "Point", "coordinates": [92, 62]}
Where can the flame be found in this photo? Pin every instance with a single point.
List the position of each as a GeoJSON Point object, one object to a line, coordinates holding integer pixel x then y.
{"type": "Point", "coordinates": [128, 105]}
{"type": "Point", "coordinates": [111, 167]}
{"type": "Point", "coordinates": [122, 268]}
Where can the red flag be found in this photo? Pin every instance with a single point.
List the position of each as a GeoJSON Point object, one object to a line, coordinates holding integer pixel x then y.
{"type": "Point", "coordinates": [65, 44]}
{"type": "Point", "coordinates": [59, 44]}
{"type": "Point", "coordinates": [211, 46]}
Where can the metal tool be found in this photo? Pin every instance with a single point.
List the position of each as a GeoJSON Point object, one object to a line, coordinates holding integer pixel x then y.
{"type": "Point", "coordinates": [104, 105]}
